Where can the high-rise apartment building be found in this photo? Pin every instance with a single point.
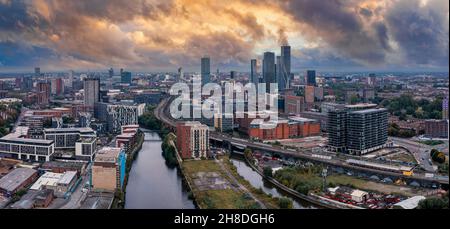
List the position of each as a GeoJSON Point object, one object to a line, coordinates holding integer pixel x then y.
{"type": "Point", "coordinates": [357, 131]}
{"type": "Point", "coordinates": [192, 140]}
{"type": "Point", "coordinates": [91, 91]}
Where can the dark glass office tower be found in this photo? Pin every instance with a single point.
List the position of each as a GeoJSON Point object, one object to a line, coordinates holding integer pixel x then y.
{"type": "Point", "coordinates": [206, 70]}
{"type": "Point", "coordinates": [269, 73]}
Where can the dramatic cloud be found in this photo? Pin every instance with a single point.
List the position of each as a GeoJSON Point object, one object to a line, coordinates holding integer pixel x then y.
{"type": "Point", "coordinates": [164, 35]}
{"type": "Point", "coordinates": [421, 30]}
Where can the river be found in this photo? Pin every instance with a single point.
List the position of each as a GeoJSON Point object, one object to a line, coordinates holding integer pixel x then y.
{"type": "Point", "coordinates": [258, 182]}
{"type": "Point", "coordinates": [151, 183]}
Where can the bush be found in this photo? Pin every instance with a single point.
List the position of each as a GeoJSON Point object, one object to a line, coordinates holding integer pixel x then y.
{"type": "Point", "coordinates": [439, 157]}
{"type": "Point", "coordinates": [267, 171]}
{"type": "Point", "coordinates": [434, 203]}
{"type": "Point", "coordinates": [285, 203]}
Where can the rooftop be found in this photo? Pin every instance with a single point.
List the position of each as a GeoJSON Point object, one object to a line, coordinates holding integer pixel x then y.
{"type": "Point", "coordinates": [15, 178]}
{"type": "Point", "coordinates": [301, 119]}
{"type": "Point", "coordinates": [108, 154]}
{"type": "Point", "coordinates": [368, 111]}
{"type": "Point", "coordinates": [74, 129]}
{"type": "Point", "coordinates": [410, 203]}
{"type": "Point", "coordinates": [48, 179]}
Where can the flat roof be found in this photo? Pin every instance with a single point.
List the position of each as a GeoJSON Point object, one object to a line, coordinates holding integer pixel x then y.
{"type": "Point", "coordinates": [377, 165]}
{"type": "Point", "coordinates": [369, 111]}
{"type": "Point", "coordinates": [73, 129]}
{"type": "Point", "coordinates": [301, 119]}
{"type": "Point", "coordinates": [108, 154]}
{"type": "Point", "coordinates": [14, 139]}
{"type": "Point", "coordinates": [67, 177]}
{"type": "Point", "coordinates": [361, 105]}
{"type": "Point", "coordinates": [15, 178]}
{"type": "Point", "coordinates": [49, 178]}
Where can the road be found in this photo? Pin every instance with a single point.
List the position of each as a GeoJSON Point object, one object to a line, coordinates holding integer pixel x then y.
{"type": "Point", "coordinates": [420, 151]}
{"type": "Point", "coordinates": [77, 196]}
{"type": "Point", "coordinates": [161, 113]}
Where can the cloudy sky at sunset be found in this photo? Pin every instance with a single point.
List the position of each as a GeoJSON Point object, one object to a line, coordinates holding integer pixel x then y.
{"type": "Point", "coordinates": [161, 35]}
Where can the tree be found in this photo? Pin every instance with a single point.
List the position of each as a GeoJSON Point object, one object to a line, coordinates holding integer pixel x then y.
{"type": "Point", "coordinates": [285, 203]}
{"type": "Point", "coordinates": [434, 203]}
{"type": "Point", "coordinates": [267, 171]}
{"type": "Point", "coordinates": [439, 157]}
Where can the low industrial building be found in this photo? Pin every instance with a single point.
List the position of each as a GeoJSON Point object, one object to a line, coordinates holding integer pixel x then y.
{"type": "Point", "coordinates": [64, 166]}
{"type": "Point", "coordinates": [35, 199]}
{"type": "Point", "coordinates": [16, 180]}
{"type": "Point", "coordinates": [60, 183]}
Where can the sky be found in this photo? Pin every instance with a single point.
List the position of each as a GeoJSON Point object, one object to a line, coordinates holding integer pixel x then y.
{"type": "Point", "coordinates": [162, 35]}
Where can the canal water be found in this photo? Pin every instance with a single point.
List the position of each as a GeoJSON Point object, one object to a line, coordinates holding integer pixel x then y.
{"type": "Point", "coordinates": [258, 182]}
{"type": "Point", "coordinates": [151, 183]}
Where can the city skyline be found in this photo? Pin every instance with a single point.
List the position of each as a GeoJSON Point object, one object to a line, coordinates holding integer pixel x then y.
{"type": "Point", "coordinates": [154, 36]}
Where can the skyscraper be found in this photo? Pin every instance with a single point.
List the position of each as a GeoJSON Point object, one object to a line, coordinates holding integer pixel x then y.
{"type": "Point", "coordinates": [91, 91]}
{"type": "Point", "coordinates": [311, 78]}
{"type": "Point", "coordinates": [286, 65]}
{"type": "Point", "coordinates": [111, 72]}
{"type": "Point", "coordinates": [206, 70]}
{"type": "Point", "coordinates": [254, 72]}
{"type": "Point", "coordinates": [269, 72]}
{"type": "Point", "coordinates": [280, 75]}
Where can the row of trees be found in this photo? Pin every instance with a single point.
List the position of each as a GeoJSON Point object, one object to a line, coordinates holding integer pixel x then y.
{"type": "Point", "coordinates": [149, 121]}
{"type": "Point", "coordinates": [302, 180]}
{"type": "Point", "coordinates": [395, 131]}
{"type": "Point", "coordinates": [169, 151]}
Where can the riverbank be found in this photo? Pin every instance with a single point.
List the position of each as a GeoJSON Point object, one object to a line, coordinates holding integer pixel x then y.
{"type": "Point", "coordinates": [119, 195]}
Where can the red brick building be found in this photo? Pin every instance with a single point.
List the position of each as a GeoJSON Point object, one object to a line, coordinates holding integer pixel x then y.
{"type": "Point", "coordinates": [295, 127]}
{"type": "Point", "coordinates": [192, 140]}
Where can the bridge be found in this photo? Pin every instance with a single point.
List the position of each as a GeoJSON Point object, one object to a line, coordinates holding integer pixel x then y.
{"type": "Point", "coordinates": [162, 113]}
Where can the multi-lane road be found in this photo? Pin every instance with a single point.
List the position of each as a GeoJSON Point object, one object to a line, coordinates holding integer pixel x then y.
{"type": "Point", "coordinates": [162, 113]}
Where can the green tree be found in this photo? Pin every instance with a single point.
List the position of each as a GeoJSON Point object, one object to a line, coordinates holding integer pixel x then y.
{"type": "Point", "coordinates": [434, 203]}
{"type": "Point", "coordinates": [267, 171]}
{"type": "Point", "coordinates": [285, 203]}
